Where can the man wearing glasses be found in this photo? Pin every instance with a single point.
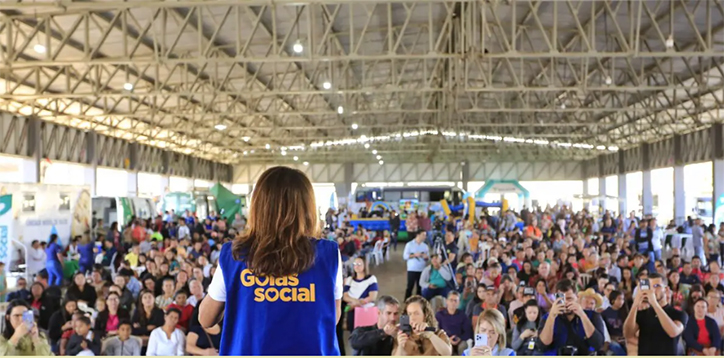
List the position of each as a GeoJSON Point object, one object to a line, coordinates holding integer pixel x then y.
{"type": "Point", "coordinates": [664, 324]}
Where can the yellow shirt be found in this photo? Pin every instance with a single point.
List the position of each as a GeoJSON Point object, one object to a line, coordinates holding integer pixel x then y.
{"type": "Point", "coordinates": [132, 259]}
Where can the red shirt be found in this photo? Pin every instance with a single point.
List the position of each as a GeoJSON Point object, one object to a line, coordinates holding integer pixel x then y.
{"type": "Point", "coordinates": [186, 313]}
{"type": "Point", "coordinates": [703, 338]}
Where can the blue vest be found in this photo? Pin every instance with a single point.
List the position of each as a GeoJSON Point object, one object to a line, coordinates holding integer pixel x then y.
{"type": "Point", "coordinates": [293, 315]}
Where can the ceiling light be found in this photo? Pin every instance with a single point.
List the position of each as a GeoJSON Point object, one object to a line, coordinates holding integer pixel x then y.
{"type": "Point", "coordinates": [367, 146]}
{"type": "Point", "coordinates": [609, 80]}
{"type": "Point", "coordinates": [374, 152]}
{"type": "Point", "coordinates": [354, 125]}
{"type": "Point", "coordinates": [267, 146]}
{"type": "Point", "coordinates": [382, 162]}
{"type": "Point", "coordinates": [284, 152]}
{"type": "Point", "coordinates": [128, 86]}
{"type": "Point", "coordinates": [340, 109]}
{"type": "Point", "coordinates": [306, 163]}
{"type": "Point", "coordinates": [327, 85]}
{"type": "Point", "coordinates": [670, 42]}
{"type": "Point", "coordinates": [252, 151]}
{"type": "Point", "coordinates": [245, 152]}
{"type": "Point", "coordinates": [379, 157]}
{"type": "Point", "coordinates": [298, 47]}
{"type": "Point", "coordinates": [39, 48]}
{"type": "Point", "coordinates": [563, 106]}
{"type": "Point", "coordinates": [220, 127]}
{"type": "Point", "coordinates": [296, 158]}
{"type": "Point", "coordinates": [245, 139]}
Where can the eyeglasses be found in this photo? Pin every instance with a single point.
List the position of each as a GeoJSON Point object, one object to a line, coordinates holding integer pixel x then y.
{"type": "Point", "coordinates": [358, 264]}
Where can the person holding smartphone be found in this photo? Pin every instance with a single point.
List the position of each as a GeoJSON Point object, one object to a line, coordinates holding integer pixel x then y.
{"type": "Point", "coordinates": [568, 329]}
{"type": "Point", "coordinates": [418, 333]}
{"type": "Point", "coordinates": [20, 335]}
{"type": "Point", "coordinates": [490, 336]}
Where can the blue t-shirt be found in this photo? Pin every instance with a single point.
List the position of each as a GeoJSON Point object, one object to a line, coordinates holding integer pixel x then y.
{"type": "Point", "coordinates": [302, 307]}
{"type": "Point", "coordinates": [494, 353]}
{"type": "Point", "coordinates": [86, 252]}
{"type": "Point", "coordinates": [51, 253]}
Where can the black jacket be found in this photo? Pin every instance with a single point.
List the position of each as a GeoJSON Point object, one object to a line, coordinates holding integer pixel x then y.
{"type": "Point", "coordinates": [57, 320]}
{"type": "Point", "coordinates": [49, 304]}
{"type": "Point", "coordinates": [371, 341]}
{"type": "Point", "coordinates": [88, 294]}
{"type": "Point", "coordinates": [156, 320]}
{"type": "Point", "coordinates": [73, 347]}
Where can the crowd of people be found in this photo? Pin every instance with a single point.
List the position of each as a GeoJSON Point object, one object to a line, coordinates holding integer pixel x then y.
{"type": "Point", "coordinates": [554, 282]}
{"type": "Point", "coordinates": [534, 282]}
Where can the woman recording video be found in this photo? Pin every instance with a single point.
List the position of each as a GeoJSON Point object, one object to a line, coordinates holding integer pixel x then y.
{"type": "Point", "coordinates": [419, 334]}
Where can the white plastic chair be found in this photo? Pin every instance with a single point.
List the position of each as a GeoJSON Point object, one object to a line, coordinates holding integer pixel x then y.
{"type": "Point", "coordinates": [377, 253]}
{"type": "Point", "coordinates": [585, 278]}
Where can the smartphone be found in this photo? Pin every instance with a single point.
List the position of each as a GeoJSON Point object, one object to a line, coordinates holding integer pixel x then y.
{"type": "Point", "coordinates": [644, 284]}
{"type": "Point", "coordinates": [481, 340]}
{"type": "Point", "coordinates": [29, 318]}
{"type": "Point", "coordinates": [560, 297]}
{"type": "Point", "coordinates": [405, 324]}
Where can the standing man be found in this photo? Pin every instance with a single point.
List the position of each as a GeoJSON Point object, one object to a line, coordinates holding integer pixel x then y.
{"type": "Point", "coordinates": [416, 254]}
{"type": "Point", "coordinates": [377, 340]}
{"type": "Point", "coordinates": [394, 228]}
{"type": "Point", "coordinates": [664, 324]}
{"type": "Point", "coordinates": [697, 237]}
{"type": "Point", "coordinates": [657, 239]}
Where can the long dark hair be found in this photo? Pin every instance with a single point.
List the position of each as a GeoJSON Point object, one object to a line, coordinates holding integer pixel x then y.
{"type": "Point", "coordinates": [282, 219]}
{"type": "Point", "coordinates": [9, 330]}
{"type": "Point", "coordinates": [142, 320]}
{"type": "Point", "coordinates": [524, 319]}
{"type": "Point", "coordinates": [53, 238]}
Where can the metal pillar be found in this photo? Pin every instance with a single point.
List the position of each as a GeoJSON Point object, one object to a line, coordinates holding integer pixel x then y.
{"type": "Point", "coordinates": [465, 176]}
{"type": "Point", "coordinates": [679, 195]}
{"type": "Point", "coordinates": [718, 191]}
{"type": "Point", "coordinates": [344, 189]}
{"type": "Point", "coordinates": [602, 193]}
{"type": "Point", "coordinates": [31, 167]}
{"type": "Point", "coordinates": [622, 194]}
{"type": "Point", "coordinates": [133, 170]}
{"type": "Point", "coordinates": [647, 198]}
{"type": "Point", "coordinates": [91, 171]}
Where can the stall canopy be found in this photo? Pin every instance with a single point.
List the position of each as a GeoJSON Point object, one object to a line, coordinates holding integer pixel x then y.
{"type": "Point", "coordinates": [228, 203]}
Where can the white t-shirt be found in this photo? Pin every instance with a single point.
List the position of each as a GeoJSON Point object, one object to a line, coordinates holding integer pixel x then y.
{"type": "Point", "coordinates": [217, 288]}
{"type": "Point", "coordinates": [160, 345]}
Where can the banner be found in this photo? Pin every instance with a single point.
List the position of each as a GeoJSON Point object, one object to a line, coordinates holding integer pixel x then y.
{"type": "Point", "coordinates": [6, 222]}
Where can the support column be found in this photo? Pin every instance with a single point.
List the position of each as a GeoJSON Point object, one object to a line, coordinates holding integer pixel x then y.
{"type": "Point", "coordinates": [603, 203]}
{"type": "Point", "coordinates": [165, 183]}
{"type": "Point", "coordinates": [622, 194]}
{"type": "Point", "coordinates": [344, 189]}
{"type": "Point", "coordinates": [647, 197]}
{"type": "Point", "coordinates": [133, 170]}
{"type": "Point", "coordinates": [718, 191]}
{"type": "Point", "coordinates": [679, 195]}
{"type": "Point", "coordinates": [91, 158]}
{"type": "Point", "coordinates": [465, 176]}
{"type": "Point", "coordinates": [585, 187]}
{"type": "Point", "coordinates": [31, 167]}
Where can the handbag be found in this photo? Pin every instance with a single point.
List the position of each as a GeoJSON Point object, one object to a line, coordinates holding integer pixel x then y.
{"type": "Point", "coordinates": [365, 316]}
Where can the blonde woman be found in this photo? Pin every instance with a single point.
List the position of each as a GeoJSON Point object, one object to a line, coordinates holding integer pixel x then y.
{"type": "Point", "coordinates": [492, 324]}
{"type": "Point", "coordinates": [424, 338]}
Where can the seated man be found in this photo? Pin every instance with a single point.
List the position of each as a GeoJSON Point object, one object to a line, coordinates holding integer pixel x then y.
{"type": "Point", "coordinates": [22, 292]}
{"type": "Point", "coordinates": [377, 340]}
{"type": "Point", "coordinates": [434, 279]}
{"type": "Point", "coordinates": [567, 329]}
{"type": "Point", "coordinates": [455, 323]}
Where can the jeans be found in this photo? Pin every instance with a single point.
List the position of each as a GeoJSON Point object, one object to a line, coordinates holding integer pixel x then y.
{"type": "Point", "coordinates": [413, 280]}
{"type": "Point", "coordinates": [699, 251]}
{"type": "Point", "coordinates": [657, 254]}
{"type": "Point", "coordinates": [617, 349]}
{"type": "Point", "coordinates": [429, 293]}
{"type": "Point", "coordinates": [55, 273]}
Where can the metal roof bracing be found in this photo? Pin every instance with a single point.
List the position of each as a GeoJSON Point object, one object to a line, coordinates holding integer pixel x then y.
{"type": "Point", "coordinates": [264, 81]}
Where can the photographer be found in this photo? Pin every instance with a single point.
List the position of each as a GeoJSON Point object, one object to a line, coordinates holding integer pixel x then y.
{"type": "Point", "coordinates": [567, 328]}
{"type": "Point", "coordinates": [664, 324]}
{"type": "Point", "coordinates": [420, 336]}
{"type": "Point", "coordinates": [378, 340]}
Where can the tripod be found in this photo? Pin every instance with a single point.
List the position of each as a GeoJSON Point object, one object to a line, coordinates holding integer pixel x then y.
{"type": "Point", "coordinates": [438, 247]}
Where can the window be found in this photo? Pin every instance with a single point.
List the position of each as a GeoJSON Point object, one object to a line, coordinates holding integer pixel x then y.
{"type": "Point", "coordinates": [436, 196]}
{"type": "Point", "coordinates": [64, 202]}
{"type": "Point", "coordinates": [29, 203]}
{"type": "Point", "coordinates": [393, 195]}
{"type": "Point", "coordinates": [410, 194]}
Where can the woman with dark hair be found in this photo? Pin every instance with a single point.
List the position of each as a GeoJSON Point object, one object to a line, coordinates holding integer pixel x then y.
{"type": "Point", "coordinates": [280, 244]}
{"type": "Point", "coordinates": [108, 319]}
{"type": "Point", "coordinates": [80, 290]}
{"type": "Point", "coordinates": [424, 336]}
{"type": "Point", "coordinates": [54, 261]}
{"type": "Point", "coordinates": [702, 334]}
{"type": "Point", "coordinates": [36, 291]}
{"type": "Point", "coordinates": [525, 333]}
{"type": "Point", "coordinates": [20, 339]}
{"type": "Point", "coordinates": [146, 317]}
{"type": "Point", "coordinates": [476, 301]}
{"type": "Point", "coordinates": [60, 321]}
{"type": "Point", "coordinates": [359, 290]}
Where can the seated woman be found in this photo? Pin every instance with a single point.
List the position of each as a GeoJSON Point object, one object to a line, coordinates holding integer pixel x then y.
{"type": "Point", "coordinates": [702, 334]}
{"type": "Point", "coordinates": [492, 324]}
{"type": "Point", "coordinates": [200, 342]}
{"type": "Point", "coordinates": [424, 337]}
{"type": "Point", "coordinates": [19, 339]}
{"type": "Point", "coordinates": [108, 319]}
{"type": "Point", "coordinates": [525, 333]}
{"type": "Point", "coordinates": [359, 290]}
{"type": "Point", "coordinates": [167, 340]}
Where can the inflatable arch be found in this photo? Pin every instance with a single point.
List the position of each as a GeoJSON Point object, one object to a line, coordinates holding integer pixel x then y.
{"type": "Point", "coordinates": [504, 186]}
{"type": "Point", "coordinates": [377, 204]}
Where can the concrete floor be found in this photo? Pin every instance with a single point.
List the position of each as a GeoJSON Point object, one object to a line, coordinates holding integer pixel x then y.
{"type": "Point", "coordinates": [391, 279]}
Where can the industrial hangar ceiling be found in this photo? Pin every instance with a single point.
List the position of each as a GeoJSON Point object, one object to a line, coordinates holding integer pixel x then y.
{"type": "Point", "coordinates": [366, 81]}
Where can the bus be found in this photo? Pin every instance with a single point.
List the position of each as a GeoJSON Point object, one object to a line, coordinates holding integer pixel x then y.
{"type": "Point", "coordinates": [406, 198]}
